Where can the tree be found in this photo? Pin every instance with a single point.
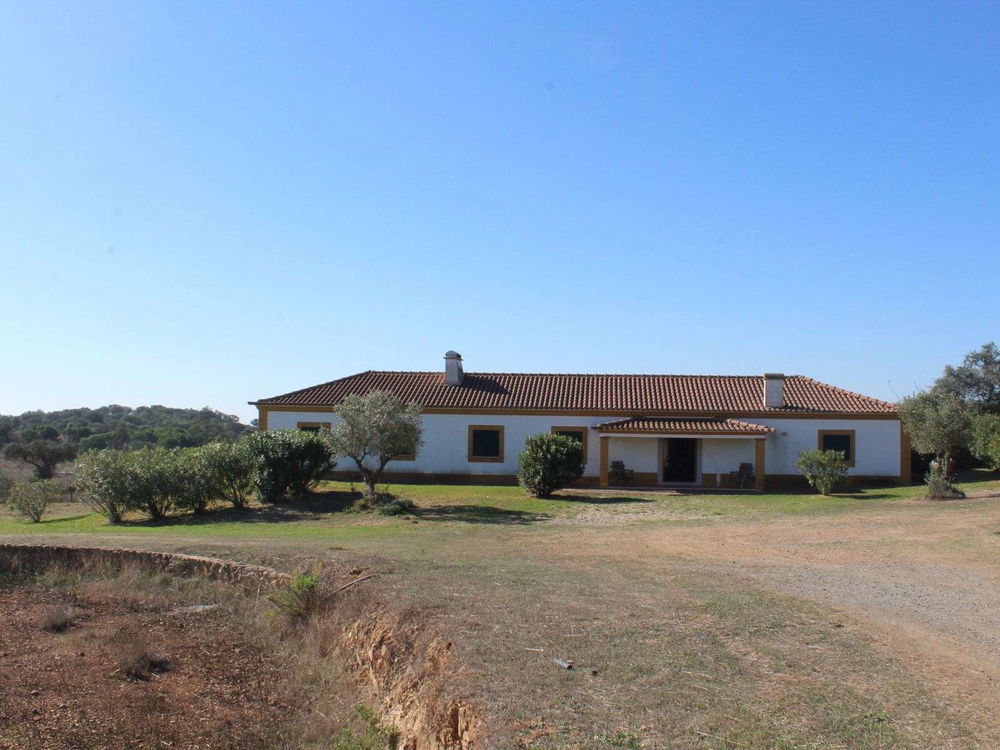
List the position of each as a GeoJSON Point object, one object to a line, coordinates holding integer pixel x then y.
{"type": "Point", "coordinates": [977, 380]}
{"type": "Point", "coordinates": [548, 463]}
{"type": "Point", "coordinates": [44, 455]}
{"type": "Point", "coordinates": [937, 422]}
{"type": "Point", "coordinates": [985, 443]}
{"type": "Point", "coordinates": [822, 469]}
{"type": "Point", "coordinates": [374, 429]}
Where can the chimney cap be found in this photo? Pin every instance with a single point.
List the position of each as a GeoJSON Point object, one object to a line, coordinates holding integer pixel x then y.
{"type": "Point", "coordinates": [774, 376]}
{"type": "Point", "coordinates": [451, 354]}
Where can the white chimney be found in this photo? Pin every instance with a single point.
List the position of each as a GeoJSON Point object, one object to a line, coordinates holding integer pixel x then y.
{"type": "Point", "coordinates": [774, 390]}
{"type": "Point", "coordinates": [453, 372]}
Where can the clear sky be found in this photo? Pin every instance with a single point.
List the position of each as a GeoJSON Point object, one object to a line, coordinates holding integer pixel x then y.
{"type": "Point", "coordinates": [208, 203]}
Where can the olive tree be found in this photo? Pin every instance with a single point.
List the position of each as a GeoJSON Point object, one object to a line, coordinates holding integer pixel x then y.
{"type": "Point", "coordinates": [374, 429]}
{"type": "Point", "coordinates": [938, 422]}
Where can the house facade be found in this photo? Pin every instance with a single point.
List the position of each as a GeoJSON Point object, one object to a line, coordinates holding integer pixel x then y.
{"type": "Point", "coordinates": [646, 430]}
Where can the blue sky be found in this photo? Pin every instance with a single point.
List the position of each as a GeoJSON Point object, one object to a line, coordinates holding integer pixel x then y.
{"type": "Point", "coordinates": [206, 203]}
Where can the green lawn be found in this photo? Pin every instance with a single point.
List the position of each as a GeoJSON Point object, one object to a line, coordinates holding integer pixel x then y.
{"type": "Point", "coordinates": [327, 513]}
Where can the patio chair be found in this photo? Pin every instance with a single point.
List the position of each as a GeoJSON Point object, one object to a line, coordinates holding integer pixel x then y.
{"type": "Point", "coordinates": [619, 474]}
{"type": "Point", "coordinates": [740, 478]}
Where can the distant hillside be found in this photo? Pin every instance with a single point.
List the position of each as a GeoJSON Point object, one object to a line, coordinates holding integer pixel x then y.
{"type": "Point", "coordinates": [122, 427]}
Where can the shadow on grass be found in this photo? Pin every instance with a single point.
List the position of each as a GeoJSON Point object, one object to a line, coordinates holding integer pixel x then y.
{"type": "Point", "coordinates": [580, 497]}
{"type": "Point", "coordinates": [59, 519]}
{"type": "Point", "coordinates": [487, 514]}
{"type": "Point", "coordinates": [859, 495]}
{"type": "Point", "coordinates": [311, 507]}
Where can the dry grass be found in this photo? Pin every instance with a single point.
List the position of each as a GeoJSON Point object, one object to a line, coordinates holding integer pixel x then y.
{"type": "Point", "coordinates": [139, 662]}
{"type": "Point", "coordinates": [57, 619]}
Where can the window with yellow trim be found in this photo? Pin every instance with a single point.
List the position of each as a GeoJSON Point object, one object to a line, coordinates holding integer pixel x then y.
{"type": "Point", "coordinates": [580, 433]}
{"type": "Point", "coordinates": [486, 443]}
{"type": "Point", "coordinates": [838, 440]}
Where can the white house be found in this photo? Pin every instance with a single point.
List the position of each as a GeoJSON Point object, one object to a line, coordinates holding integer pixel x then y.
{"type": "Point", "coordinates": [646, 430]}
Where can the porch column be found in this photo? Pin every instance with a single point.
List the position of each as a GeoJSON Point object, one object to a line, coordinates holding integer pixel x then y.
{"type": "Point", "coordinates": [604, 461]}
{"type": "Point", "coordinates": [759, 464]}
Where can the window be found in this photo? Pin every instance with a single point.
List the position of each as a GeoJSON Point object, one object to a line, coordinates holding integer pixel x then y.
{"type": "Point", "coordinates": [313, 426]}
{"type": "Point", "coordinates": [838, 440]}
{"type": "Point", "coordinates": [486, 443]}
{"type": "Point", "coordinates": [580, 433]}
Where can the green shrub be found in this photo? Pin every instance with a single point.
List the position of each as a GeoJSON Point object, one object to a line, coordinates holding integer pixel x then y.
{"type": "Point", "coordinates": [986, 439]}
{"type": "Point", "coordinates": [30, 499]}
{"type": "Point", "coordinates": [106, 482]}
{"type": "Point", "coordinates": [939, 486]}
{"type": "Point", "coordinates": [6, 484]}
{"type": "Point", "coordinates": [153, 480]}
{"type": "Point", "coordinates": [287, 463]}
{"type": "Point", "coordinates": [548, 463]}
{"type": "Point", "coordinates": [301, 598]}
{"type": "Point", "coordinates": [196, 481]}
{"type": "Point", "coordinates": [231, 467]}
{"type": "Point", "coordinates": [822, 469]}
{"type": "Point", "coordinates": [157, 480]}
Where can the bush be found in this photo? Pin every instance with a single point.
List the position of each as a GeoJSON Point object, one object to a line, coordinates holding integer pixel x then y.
{"type": "Point", "coordinates": [822, 469]}
{"type": "Point", "coordinates": [157, 481]}
{"type": "Point", "coordinates": [939, 486]}
{"type": "Point", "coordinates": [287, 463]}
{"type": "Point", "coordinates": [195, 479]}
{"type": "Point", "coordinates": [6, 484]}
{"type": "Point", "coordinates": [548, 463]}
{"type": "Point", "coordinates": [30, 499]}
{"type": "Point", "coordinates": [106, 482]}
{"type": "Point", "coordinates": [384, 503]}
{"type": "Point", "coordinates": [301, 598]}
{"type": "Point", "coordinates": [986, 439]}
{"type": "Point", "coordinates": [231, 468]}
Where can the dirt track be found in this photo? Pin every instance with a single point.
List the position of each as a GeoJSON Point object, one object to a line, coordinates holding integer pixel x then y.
{"type": "Point", "coordinates": [922, 578]}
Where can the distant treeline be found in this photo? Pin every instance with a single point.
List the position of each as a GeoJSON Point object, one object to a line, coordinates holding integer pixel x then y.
{"type": "Point", "coordinates": [122, 427]}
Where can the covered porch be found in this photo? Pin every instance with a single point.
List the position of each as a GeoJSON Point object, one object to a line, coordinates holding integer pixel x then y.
{"type": "Point", "coordinates": [692, 452]}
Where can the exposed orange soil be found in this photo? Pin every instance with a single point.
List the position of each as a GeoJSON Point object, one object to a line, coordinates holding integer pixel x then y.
{"type": "Point", "coordinates": [66, 690]}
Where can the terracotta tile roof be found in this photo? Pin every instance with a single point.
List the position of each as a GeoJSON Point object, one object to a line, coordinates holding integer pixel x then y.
{"type": "Point", "coordinates": [623, 394]}
{"type": "Point", "coordinates": [685, 426]}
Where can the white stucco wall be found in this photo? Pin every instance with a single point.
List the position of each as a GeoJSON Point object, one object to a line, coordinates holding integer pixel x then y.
{"type": "Point", "coordinates": [723, 455]}
{"type": "Point", "coordinates": [876, 446]}
{"type": "Point", "coordinates": [446, 443]}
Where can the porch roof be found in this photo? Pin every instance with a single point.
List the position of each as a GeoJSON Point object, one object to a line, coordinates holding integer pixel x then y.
{"type": "Point", "coordinates": [692, 426]}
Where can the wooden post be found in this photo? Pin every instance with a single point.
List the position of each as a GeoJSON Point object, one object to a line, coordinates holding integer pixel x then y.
{"type": "Point", "coordinates": [759, 464]}
{"type": "Point", "coordinates": [604, 461]}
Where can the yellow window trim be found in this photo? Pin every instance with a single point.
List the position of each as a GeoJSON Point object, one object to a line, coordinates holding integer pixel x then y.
{"type": "Point", "coordinates": [584, 431]}
{"type": "Point", "coordinates": [486, 459]}
{"type": "Point", "coordinates": [850, 433]}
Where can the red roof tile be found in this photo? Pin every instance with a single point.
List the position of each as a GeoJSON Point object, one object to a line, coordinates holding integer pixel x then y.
{"type": "Point", "coordinates": [685, 426]}
{"type": "Point", "coordinates": [624, 394]}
